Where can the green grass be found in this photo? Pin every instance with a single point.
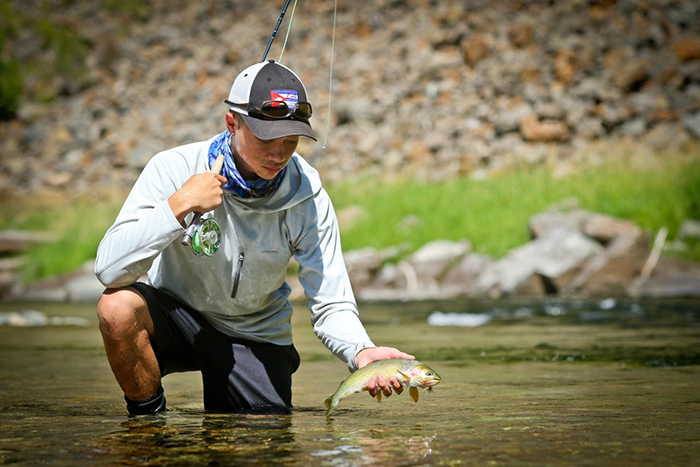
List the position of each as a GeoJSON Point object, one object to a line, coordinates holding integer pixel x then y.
{"type": "Point", "coordinates": [78, 229]}
{"type": "Point", "coordinates": [493, 214]}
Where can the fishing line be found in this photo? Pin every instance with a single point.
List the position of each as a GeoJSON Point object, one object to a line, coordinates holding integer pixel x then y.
{"type": "Point", "coordinates": [330, 79]}
{"type": "Point", "coordinates": [289, 28]}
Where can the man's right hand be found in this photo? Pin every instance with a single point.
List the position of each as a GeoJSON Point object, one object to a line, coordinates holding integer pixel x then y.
{"type": "Point", "coordinates": [200, 193]}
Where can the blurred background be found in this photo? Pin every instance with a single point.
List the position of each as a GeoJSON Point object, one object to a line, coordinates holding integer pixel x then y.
{"type": "Point", "coordinates": [464, 118]}
{"type": "Point", "coordinates": [518, 190]}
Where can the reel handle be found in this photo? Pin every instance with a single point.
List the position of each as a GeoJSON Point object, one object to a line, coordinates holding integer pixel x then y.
{"type": "Point", "coordinates": [189, 231]}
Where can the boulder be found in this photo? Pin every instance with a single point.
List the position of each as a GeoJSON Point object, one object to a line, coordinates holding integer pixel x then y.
{"type": "Point", "coordinates": [672, 277]}
{"type": "Point", "coordinates": [548, 221]}
{"type": "Point", "coordinates": [610, 271]}
{"type": "Point", "coordinates": [545, 265]}
{"type": "Point", "coordinates": [461, 279]}
{"type": "Point", "coordinates": [362, 265]}
{"type": "Point", "coordinates": [433, 259]}
{"type": "Point", "coordinates": [604, 229]}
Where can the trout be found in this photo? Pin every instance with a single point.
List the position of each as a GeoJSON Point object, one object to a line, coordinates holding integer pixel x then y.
{"type": "Point", "coordinates": [410, 373]}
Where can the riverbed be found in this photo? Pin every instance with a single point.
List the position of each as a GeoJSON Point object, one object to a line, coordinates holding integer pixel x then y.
{"type": "Point", "coordinates": [541, 382]}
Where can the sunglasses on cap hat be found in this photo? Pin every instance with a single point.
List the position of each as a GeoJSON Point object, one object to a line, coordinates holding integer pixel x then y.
{"type": "Point", "coordinates": [276, 109]}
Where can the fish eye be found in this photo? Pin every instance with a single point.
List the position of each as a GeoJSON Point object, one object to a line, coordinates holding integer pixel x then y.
{"type": "Point", "coordinates": [428, 373]}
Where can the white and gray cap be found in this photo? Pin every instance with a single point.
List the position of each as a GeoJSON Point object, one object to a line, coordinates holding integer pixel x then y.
{"type": "Point", "coordinates": [268, 82]}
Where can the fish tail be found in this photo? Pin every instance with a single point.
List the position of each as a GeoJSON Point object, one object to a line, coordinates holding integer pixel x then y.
{"type": "Point", "coordinates": [329, 405]}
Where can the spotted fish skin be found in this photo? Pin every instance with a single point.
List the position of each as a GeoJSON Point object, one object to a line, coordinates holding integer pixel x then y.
{"type": "Point", "coordinates": [410, 373]}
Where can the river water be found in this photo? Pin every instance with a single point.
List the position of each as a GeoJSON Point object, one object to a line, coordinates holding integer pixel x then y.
{"type": "Point", "coordinates": [527, 383]}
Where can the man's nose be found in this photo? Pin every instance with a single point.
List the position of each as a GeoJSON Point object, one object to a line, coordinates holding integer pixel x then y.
{"type": "Point", "coordinates": [276, 152]}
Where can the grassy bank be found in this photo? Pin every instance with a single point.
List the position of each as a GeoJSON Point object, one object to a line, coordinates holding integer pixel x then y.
{"type": "Point", "coordinates": [492, 214]}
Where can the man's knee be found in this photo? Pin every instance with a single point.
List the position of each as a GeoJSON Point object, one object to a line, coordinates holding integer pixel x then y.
{"type": "Point", "coordinates": [121, 312]}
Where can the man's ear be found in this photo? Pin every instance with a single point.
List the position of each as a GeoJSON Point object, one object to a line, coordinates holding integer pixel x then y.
{"type": "Point", "coordinates": [231, 122]}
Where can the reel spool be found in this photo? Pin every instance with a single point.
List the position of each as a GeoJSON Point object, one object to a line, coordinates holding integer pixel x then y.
{"type": "Point", "coordinates": [206, 238]}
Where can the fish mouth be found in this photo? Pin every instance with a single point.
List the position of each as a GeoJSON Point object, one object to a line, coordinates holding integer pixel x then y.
{"type": "Point", "coordinates": [430, 382]}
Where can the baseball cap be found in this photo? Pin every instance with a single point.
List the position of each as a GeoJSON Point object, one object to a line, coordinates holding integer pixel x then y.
{"type": "Point", "coordinates": [267, 85]}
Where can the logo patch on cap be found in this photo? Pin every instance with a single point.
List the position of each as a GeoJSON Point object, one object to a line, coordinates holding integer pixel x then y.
{"type": "Point", "coordinates": [288, 96]}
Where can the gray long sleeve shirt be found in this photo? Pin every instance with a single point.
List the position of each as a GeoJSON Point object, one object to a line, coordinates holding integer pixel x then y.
{"type": "Point", "coordinates": [241, 289]}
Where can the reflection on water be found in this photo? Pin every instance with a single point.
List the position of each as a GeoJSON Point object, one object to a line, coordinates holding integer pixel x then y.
{"type": "Point", "coordinates": [540, 382]}
{"type": "Point", "coordinates": [302, 438]}
{"type": "Point", "coordinates": [202, 439]}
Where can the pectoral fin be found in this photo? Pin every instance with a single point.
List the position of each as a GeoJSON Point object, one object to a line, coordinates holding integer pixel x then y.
{"type": "Point", "coordinates": [414, 393]}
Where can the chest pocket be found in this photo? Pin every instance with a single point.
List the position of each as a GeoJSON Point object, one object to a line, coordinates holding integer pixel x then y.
{"type": "Point", "coordinates": [260, 264]}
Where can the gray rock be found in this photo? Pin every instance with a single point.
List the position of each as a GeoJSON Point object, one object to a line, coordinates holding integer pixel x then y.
{"type": "Point", "coordinates": [613, 269]}
{"type": "Point", "coordinates": [433, 259]}
{"type": "Point", "coordinates": [549, 221]}
{"type": "Point", "coordinates": [552, 257]}
{"type": "Point", "coordinates": [362, 265]}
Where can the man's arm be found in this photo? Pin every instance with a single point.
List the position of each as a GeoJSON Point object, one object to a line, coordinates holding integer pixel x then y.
{"type": "Point", "coordinates": [153, 216]}
{"type": "Point", "coordinates": [332, 303]}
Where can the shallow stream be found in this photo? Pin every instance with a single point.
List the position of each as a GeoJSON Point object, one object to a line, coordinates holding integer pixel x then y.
{"type": "Point", "coordinates": [543, 382]}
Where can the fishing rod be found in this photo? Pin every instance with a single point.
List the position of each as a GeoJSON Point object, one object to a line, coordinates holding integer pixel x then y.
{"type": "Point", "coordinates": [274, 32]}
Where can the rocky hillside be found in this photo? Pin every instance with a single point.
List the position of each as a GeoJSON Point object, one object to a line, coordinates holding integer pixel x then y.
{"type": "Point", "coordinates": [432, 89]}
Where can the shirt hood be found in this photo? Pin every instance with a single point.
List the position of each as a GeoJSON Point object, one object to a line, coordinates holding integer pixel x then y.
{"type": "Point", "coordinates": [300, 182]}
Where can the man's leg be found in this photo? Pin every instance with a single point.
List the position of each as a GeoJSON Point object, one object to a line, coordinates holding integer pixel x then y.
{"type": "Point", "coordinates": [127, 330]}
{"type": "Point", "coordinates": [249, 377]}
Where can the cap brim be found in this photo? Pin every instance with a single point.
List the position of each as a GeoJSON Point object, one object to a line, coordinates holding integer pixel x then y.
{"type": "Point", "coordinates": [273, 129]}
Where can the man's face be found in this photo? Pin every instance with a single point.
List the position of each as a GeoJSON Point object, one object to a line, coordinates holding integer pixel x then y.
{"type": "Point", "coordinates": [255, 157]}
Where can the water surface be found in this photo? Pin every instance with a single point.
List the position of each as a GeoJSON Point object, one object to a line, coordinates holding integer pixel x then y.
{"type": "Point", "coordinates": [560, 383]}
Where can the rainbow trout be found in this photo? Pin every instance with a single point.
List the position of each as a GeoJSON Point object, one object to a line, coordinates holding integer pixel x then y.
{"type": "Point", "coordinates": [410, 373]}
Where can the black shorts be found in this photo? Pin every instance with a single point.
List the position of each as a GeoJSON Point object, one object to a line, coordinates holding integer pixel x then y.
{"type": "Point", "coordinates": [237, 375]}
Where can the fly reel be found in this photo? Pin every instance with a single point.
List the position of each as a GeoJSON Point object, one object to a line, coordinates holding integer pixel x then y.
{"type": "Point", "coordinates": [206, 238]}
{"type": "Point", "coordinates": [203, 236]}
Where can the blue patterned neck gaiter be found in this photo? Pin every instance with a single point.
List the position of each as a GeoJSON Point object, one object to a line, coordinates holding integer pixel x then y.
{"type": "Point", "coordinates": [257, 188]}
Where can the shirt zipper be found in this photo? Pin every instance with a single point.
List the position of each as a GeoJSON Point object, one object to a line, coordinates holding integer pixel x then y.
{"type": "Point", "coordinates": [237, 278]}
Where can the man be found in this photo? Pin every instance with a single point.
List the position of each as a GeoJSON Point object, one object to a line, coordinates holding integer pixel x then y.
{"type": "Point", "coordinates": [228, 315]}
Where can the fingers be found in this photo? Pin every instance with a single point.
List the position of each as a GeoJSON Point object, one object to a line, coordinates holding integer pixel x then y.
{"type": "Point", "coordinates": [396, 384]}
{"type": "Point", "coordinates": [379, 384]}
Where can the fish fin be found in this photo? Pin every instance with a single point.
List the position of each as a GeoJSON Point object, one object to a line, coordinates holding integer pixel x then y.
{"type": "Point", "coordinates": [408, 378]}
{"type": "Point", "coordinates": [379, 397]}
{"type": "Point", "coordinates": [413, 391]}
{"type": "Point", "coordinates": [329, 406]}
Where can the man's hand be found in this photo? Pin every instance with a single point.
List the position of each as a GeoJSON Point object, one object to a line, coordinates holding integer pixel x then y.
{"type": "Point", "coordinates": [371, 354]}
{"type": "Point", "coordinates": [200, 193]}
